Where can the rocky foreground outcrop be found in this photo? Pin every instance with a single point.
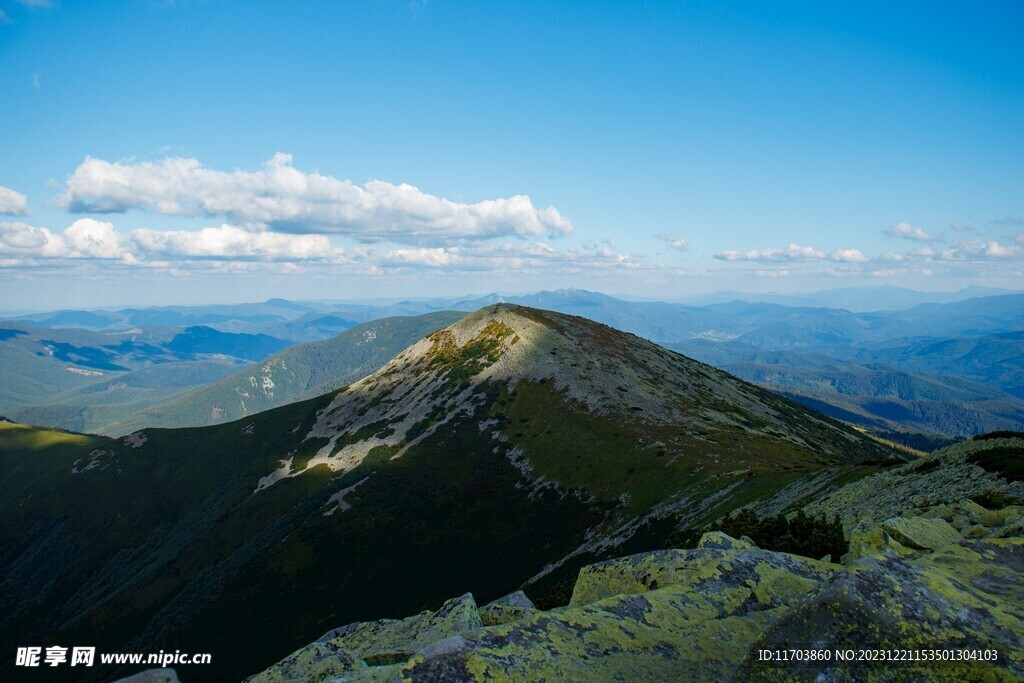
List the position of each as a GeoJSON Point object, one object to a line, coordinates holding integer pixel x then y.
{"type": "Point", "coordinates": [911, 583]}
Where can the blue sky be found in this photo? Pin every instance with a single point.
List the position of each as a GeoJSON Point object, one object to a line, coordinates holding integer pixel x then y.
{"type": "Point", "coordinates": [186, 151]}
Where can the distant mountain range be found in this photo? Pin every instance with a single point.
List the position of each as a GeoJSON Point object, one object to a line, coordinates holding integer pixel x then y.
{"type": "Point", "coordinates": [75, 378]}
{"type": "Point", "coordinates": [934, 345]}
{"type": "Point", "coordinates": [299, 372]}
{"type": "Point", "coordinates": [880, 298]}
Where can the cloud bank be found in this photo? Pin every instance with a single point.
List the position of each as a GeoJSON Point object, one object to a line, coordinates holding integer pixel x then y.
{"type": "Point", "coordinates": [85, 238]}
{"type": "Point", "coordinates": [229, 242]}
{"type": "Point", "coordinates": [793, 253]}
{"type": "Point", "coordinates": [88, 238]}
{"type": "Point", "coordinates": [228, 246]}
{"type": "Point", "coordinates": [281, 198]}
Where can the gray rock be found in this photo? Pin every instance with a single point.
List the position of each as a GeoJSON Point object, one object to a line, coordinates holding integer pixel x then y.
{"type": "Point", "coordinates": [512, 607]}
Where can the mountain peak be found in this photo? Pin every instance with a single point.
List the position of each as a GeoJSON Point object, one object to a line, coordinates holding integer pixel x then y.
{"type": "Point", "coordinates": [457, 373]}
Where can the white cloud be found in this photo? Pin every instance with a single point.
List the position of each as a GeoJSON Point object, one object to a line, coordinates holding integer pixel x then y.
{"type": "Point", "coordinates": [921, 254]}
{"type": "Point", "coordinates": [84, 239]}
{"type": "Point", "coordinates": [794, 252]}
{"type": "Point", "coordinates": [230, 249]}
{"type": "Point", "coordinates": [848, 256]}
{"type": "Point", "coordinates": [675, 241]}
{"type": "Point", "coordinates": [13, 203]}
{"type": "Point", "coordinates": [513, 257]}
{"type": "Point", "coordinates": [980, 250]}
{"type": "Point", "coordinates": [281, 198]}
{"type": "Point", "coordinates": [229, 242]}
{"type": "Point", "coordinates": [35, 3]}
{"type": "Point", "coordinates": [909, 232]}
{"type": "Point", "coordinates": [960, 227]}
{"type": "Point", "coordinates": [23, 239]}
{"type": "Point", "coordinates": [437, 257]}
{"type": "Point", "coordinates": [977, 250]}
{"type": "Point", "coordinates": [89, 238]}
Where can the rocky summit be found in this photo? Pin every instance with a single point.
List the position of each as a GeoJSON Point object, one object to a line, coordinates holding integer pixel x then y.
{"type": "Point", "coordinates": [699, 413]}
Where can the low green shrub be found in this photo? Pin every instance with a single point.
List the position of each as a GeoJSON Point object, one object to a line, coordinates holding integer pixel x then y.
{"type": "Point", "coordinates": [1006, 461]}
{"type": "Point", "coordinates": [800, 534]}
{"type": "Point", "coordinates": [1002, 434]}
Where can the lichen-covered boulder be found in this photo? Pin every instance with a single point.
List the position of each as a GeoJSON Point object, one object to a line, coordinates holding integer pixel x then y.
{"type": "Point", "coordinates": [873, 540]}
{"type": "Point", "coordinates": [637, 573]}
{"type": "Point", "coordinates": [941, 511]}
{"type": "Point", "coordinates": [971, 507]}
{"type": "Point", "coordinates": [315, 662]}
{"type": "Point", "coordinates": [964, 596]}
{"type": "Point", "coordinates": [716, 540]}
{"type": "Point", "coordinates": [961, 515]}
{"type": "Point", "coordinates": [389, 641]}
{"type": "Point", "coordinates": [389, 673]}
{"type": "Point", "coordinates": [368, 652]}
{"type": "Point", "coordinates": [511, 607]}
{"type": "Point", "coordinates": [1015, 528]}
{"type": "Point", "coordinates": [947, 478]}
{"type": "Point", "coordinates": [680, 615]}
{"type": "Point", "coordinates": [998, 518]}
{"type": "Point", "coordinates": [976, 531]}
{"type": "Point", "coordinates": [773, 577]}
{"type": "Point", "coordinates": [670, 634]}
{"type": "Point", "coordinates": [921, 533]}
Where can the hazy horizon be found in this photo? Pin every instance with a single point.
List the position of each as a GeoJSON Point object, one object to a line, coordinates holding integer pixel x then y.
{"type": "Point", "coordinates": [696, 299]}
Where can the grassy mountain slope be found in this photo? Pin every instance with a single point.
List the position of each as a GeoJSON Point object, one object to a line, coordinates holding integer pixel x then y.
{"type": "Point", "coordinates": [82, 380]}
{"type": "Point", "coordinates": [995, 360]}
{"type": "Point", "coordinates": [309, 327]}
{"type": "Point", "coordinates": [951, 418]}
{"type": "Point", "coordinates": [29, 379]}
{"type": "Point", "coordinates": [135, 348]}
{"type": "Point", "coordinates": [40, 366]}
{"type": "Point", "coordinates": [200, 340]}
{"type": "Point", "coordinates": [88, 408]}
{"type": "Point", "coordinates": [298, 372]}
{"type": "Point", "coordinates": [504, 451]}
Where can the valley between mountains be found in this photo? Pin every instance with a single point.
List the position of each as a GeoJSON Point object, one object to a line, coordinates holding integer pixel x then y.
{"type": "Point", "coordinates": [502, 452]}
